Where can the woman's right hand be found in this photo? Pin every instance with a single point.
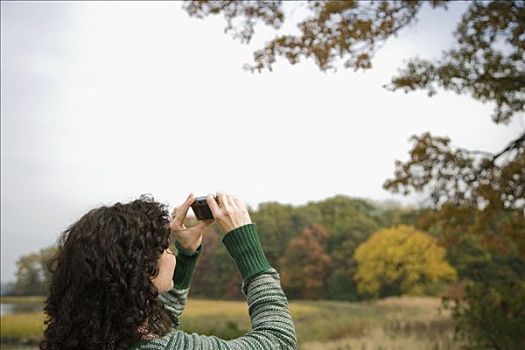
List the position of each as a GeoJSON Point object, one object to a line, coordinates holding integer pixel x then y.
{"type": "Point", "coordinates": [230, 213]}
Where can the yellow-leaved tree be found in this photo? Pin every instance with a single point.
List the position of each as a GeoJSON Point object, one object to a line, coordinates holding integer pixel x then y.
{"type": "Point", "coordinates": [401, 260]}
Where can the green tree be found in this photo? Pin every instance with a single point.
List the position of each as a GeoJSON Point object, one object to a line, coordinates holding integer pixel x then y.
{"type": "Point", "coordinates": [278, 223]}
{"type": "Point", "coordinates": [346, 217]}
{"type": "Point", "coordinates": [33, 275]}
{"type": "Point", "coordinates": [29, 276]}
{"type": "Point", "coordinates": [401, 260]}
{"type": "Point", "coordinates": [350, 222]}
{"type": "Point", "coordinates": [491, 314]}
{"type": "Point", "coordinates": [340, 284]}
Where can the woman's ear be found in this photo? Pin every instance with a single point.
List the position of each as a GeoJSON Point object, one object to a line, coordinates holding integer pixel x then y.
{"type": "Point", "coordinates": [153, 271]}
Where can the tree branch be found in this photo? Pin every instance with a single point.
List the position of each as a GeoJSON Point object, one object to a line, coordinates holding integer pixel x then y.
{"type": "Point", "coordinates": [511, 146]}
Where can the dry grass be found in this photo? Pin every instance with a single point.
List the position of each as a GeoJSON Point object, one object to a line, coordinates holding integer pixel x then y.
{"type": "Point", "coordinates": [378, 340]}
{"type": "Point", "coordinates": [22, 300]}
{"type": "Point", "coordinates": [24, 325]}
{"type": "Point", "coordinates": [202, 307]}
{"type": "Point", "coordinates": [406, 323]}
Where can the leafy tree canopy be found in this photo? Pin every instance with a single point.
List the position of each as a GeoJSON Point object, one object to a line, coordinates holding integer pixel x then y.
{"type": "Point", "coordinates": [401, 260]}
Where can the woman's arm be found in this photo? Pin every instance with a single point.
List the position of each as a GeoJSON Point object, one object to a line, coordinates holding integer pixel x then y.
{"type": "Point", "coordinates": [174, 300]}
{"type": "Point", "coordinates": [272, 325]}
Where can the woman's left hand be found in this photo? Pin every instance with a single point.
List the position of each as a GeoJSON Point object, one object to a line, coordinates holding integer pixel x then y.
{"type": "Point", "coordinates": [189, 238]}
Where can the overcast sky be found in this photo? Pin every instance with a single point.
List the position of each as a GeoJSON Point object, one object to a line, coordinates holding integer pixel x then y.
{"type": "Point", "coordinates": [101, 102]}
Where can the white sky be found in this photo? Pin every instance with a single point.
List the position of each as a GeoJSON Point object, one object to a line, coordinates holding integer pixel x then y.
{"type": "Point", "coordinates": [101, 102]}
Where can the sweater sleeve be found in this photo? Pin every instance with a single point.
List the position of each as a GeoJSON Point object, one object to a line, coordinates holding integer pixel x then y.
{"type": "Point", "coordinates": [174, 300]}
{"type": "Point", "coordinates": [272, 325]}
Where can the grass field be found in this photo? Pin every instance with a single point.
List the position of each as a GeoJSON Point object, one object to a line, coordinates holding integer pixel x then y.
{"type": "Point", "coordinates": [21, 300]}
{"type": "Point", "coordinates": [394, 323]}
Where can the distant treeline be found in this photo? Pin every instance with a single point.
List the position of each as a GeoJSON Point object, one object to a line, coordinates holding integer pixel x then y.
{"type": "Point", "coordinates": [312, 246]}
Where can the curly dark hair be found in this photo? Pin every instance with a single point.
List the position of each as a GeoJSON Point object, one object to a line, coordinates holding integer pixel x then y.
{"type": "Point", "coordinates": [101, 278]}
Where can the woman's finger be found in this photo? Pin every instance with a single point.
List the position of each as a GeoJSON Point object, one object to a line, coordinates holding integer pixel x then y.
{"type": "Point", "coordinates": [223, 201]}
{"type": "Point", "coordinates": [182, 210]}
{"type": "Point", "coordinates": [189, 201]}
{"type": "Point", "coordinates": [176, 224]}
{"type": "Point", "coordinates": [179, 213]}
{"type": "Point", "coordinates": [212, 203]}
{"type": "Point", "coordinates": [231, 202]}
{"type": "Point", "coordinates": [238, 203]}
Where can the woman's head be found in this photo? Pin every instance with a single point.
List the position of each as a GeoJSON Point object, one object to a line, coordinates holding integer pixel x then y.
{"type": "Point", "coordinates": [108, 271]}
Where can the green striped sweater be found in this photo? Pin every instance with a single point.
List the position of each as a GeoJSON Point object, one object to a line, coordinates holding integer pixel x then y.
{"type": "Point", "coordinates": [272, 326]}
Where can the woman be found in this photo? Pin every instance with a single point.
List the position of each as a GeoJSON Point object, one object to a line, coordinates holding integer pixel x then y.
{"type": "Point", "coordinates": [116, 285]}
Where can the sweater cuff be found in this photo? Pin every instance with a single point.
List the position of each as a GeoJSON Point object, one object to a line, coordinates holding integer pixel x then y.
{"type": "Point", "coordinates": [245, 248]}
{"type": "Point", "coordinates": [186, 262]}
